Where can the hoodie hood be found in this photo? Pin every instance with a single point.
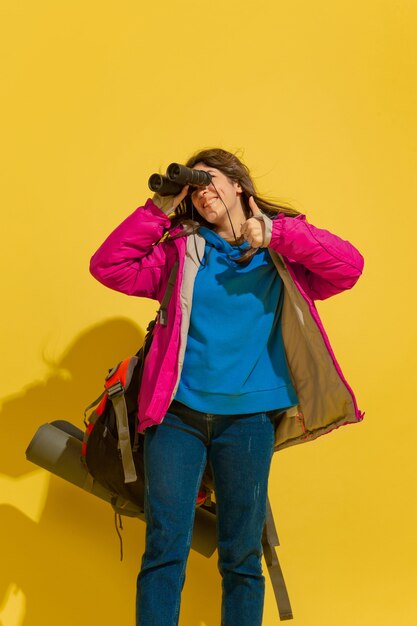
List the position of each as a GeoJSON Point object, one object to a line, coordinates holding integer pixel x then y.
{"type": "Point", "coordinates": [213, 239]}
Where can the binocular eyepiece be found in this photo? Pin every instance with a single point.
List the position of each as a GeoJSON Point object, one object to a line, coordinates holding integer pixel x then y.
{"type": "Point", "coordinates": [176, 177]}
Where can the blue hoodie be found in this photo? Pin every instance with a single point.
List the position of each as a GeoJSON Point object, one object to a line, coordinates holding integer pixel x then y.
{"type": "Point", "coordinates": [235, 361]}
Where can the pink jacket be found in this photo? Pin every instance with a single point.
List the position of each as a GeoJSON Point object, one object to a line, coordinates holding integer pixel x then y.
{"type": "Point", "coordinates": [313, 263]}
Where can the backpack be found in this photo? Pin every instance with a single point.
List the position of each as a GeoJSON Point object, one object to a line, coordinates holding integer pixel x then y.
{"type": "Point", "coordinates": [112, 449]}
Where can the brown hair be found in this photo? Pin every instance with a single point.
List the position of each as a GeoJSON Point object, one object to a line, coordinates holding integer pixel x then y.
{"type": "Point", "coordinates": [236, 171]}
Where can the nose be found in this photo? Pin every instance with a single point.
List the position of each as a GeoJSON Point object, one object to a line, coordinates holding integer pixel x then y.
{"type": "Point", "coordinates": [201, 191]}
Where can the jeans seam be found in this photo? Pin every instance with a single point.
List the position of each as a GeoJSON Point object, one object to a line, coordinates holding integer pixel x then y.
{"type": "Point", "coordinates": [190, 532]}
{"type": "Point", "coordinates": [185, 430]}
{"type": "Point", "coordinates": [209, 422]}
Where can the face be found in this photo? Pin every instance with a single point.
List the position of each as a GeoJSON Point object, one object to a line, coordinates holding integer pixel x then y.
{"type": "Point", "coordinates": [206, 199]}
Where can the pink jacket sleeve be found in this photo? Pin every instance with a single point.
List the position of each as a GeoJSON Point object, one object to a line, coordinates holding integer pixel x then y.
{"type": "Point", "coordinates": [128, 260]}
{"type": "Point", "coordinates": [322, 263]}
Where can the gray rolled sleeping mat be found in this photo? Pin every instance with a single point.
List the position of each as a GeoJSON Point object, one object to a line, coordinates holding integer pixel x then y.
{"type": "Point", "coordinates": [57, 448]}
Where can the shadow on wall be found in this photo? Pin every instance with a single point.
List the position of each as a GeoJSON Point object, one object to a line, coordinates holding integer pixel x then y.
{"type": "Point", "coordinates": [43, 518]}
{"type": "Point", "coordinates": [60, 552]}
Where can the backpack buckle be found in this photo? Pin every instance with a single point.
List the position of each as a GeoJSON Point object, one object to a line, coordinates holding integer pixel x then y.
{"type": "Point", "coordinates": [115, 390]}
{"type": "Point", "coordinates": [163, 317]}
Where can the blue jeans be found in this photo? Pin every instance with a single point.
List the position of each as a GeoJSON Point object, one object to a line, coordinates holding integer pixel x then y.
{"type": "Point", "coordinates": [239, 449]}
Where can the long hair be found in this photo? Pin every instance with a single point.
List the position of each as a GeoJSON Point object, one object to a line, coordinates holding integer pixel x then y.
{"type": "Point", "coordinates": [236, 171]}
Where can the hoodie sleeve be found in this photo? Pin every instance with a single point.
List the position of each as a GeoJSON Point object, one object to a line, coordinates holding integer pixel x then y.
{"type": "Point", "coordinates": [323, 263]}
{"type": "Point", "coordinates": [129, 260]}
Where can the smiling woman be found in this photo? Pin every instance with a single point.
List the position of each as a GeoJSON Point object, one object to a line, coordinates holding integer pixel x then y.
{"type": "Point", "coordinates": [219, 200]}
{"type": "Point", "coordinates": [224, 379]}
{"type": "Point", "coordinates": [231, 181]}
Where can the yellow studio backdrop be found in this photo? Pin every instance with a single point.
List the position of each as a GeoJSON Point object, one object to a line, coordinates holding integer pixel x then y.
{"type": "Point", "coordinates": [320, 98]}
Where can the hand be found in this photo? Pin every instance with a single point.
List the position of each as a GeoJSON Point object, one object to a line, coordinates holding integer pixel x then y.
{"type": "Point", "coordinates": [254, 229]}
{"type": "Point", "coordinates": [168, 204]}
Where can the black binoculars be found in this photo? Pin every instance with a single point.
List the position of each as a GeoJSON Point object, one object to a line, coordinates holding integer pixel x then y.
{"type": "Point", "coordinates": [176, 177]}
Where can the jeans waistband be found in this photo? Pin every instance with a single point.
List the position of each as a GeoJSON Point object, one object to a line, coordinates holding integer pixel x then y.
{"type": "Point", "coordinates": [202, 421]}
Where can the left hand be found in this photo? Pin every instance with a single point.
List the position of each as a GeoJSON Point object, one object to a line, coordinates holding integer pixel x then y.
{"type": "Point", "coordinates": [253, 229]}
{"type": "Point", "coordinates": [168, 204]}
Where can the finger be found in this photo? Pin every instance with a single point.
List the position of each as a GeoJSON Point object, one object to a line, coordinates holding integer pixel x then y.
{"type": "Point", "coordinates": [252, 230]}
{"type": "Point", "coordinates": [182, 194]}
{"type": "Point", "coordinates": [179, 197]}
{"type": "Point", "coordinates": [251, 226]}
{"type": "Point", "coordinates": [254, 207]}
{"type": "Point", "coordinates": [246, 226]}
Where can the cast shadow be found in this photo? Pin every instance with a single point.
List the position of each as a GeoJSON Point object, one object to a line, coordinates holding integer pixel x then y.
{"type": "Point", "coordinates": [67, 565]}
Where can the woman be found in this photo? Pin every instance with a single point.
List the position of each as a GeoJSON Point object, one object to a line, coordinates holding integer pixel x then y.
{"type": "Point", "coordinates": [240, 368]}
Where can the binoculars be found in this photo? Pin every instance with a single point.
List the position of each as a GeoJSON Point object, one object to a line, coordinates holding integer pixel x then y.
{"type": "Point", "coordinates": [176, 177]}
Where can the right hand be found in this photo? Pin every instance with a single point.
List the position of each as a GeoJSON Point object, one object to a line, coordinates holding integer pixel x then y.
{"type": "Point", "coordinates": [168, 204]}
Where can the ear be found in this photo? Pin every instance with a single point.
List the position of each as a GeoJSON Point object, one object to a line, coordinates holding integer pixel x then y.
{"type": "Point", "coordinates": [238, 187]}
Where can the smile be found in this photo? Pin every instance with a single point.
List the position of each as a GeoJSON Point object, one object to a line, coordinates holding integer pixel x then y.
{"type": "Point", "coordinates": [209, 203]}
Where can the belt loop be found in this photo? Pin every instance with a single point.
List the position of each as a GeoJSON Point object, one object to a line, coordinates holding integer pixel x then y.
{"type": "Point", "coordinates": [209, 421]}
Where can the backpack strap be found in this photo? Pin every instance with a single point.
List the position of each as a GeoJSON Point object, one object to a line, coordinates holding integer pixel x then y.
{"type": "Point", "coordinates": [92, 404]}
{"type": "Point", "coordinates": [162, 314]}
{"type": "Point", "coordinates": [269, 541]}
{"type": "Point", "coordinates": [119, 404]}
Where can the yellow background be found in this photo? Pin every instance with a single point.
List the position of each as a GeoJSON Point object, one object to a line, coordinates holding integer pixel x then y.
{"type": "Point", "coordinates": [320, 98]}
